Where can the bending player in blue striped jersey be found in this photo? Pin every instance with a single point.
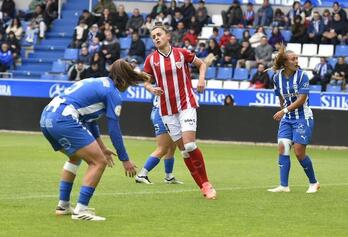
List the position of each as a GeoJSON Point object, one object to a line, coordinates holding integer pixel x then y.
{"type": "Point", "coordinates": [69, 124]}
{"type": "Point", "coordinates": [165, 148]}
{"type": "Point", "coordinates": [296, 118]}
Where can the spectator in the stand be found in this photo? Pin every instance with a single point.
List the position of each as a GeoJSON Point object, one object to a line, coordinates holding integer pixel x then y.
{"type": "Point", "coordinates": [16, 28]}
{"type": "Point", "coordinates": [201, 50]}
{"type": "Point", "coordinates": [14, 45]}
{"type": "Point", "coordinates": [264, 15]}
{"type": "Point", "coordinates": [146, 28]}
{"type": "Point", "coordinates": [298, 30]}
{"type": "Point", "coordinates": [94, 46]}
{"type": "Point", "coordinates": [77, 71]}
{"type": "Point", "coordinates": [308, 11]}
{"type": "Point", "coordinates": [249, 15]}
{"type": "Point", "coordinates": [178, 35]}
{"type": "Point", "coordinates": [172, 8]}
{"type": "Point", "coordinates": [135, 21]}
{"type": "Point", "coordinates": [8, 8]}
{"type": "Point", "coordinates": [228, 101]}
{"type": "Point", "coordinates": [110, 48]}
{"type": "Point", "coordinates": [260, 80]}
{"type": "Point", "coordinates": [202, 14]}
{"type": "Point", "coordinates": [51, 11]}
{"type": "Point", "coordinates": [255, 39]}
{"type": "Point", "coordinates": [121, 19]}
{"type": "Point", "coordinates": [160, 7]}
{"type": "Point", "coordinates": [95, 71]}
{"type": "Point", "coordinates": [322, 74]}
{"type": "Point", "coordinates": [326, 18]}
{"type": "Point", "coordinates": [340, 73]}
{"type": "Point", "coordinates": [293, 12]}
{"type": "Point", "coordinates": [337, 9]}
{"type": "Point", "coordinates": [137, 48]}
{"type": "Point", "coordinates": [225, 38]}
{"type": "Point", "coordinates": [246, 35]}
{"type": "Point", "coordinates": [84, 55]}
{"type": "Point", "coordinates": [34, 3]}
{"type": "Point", "coordinates": [214, 53]}
{"type": "Point", "coordinates": [80, 35]}
{"type": "Point", "coordinates": [247, 56]}
{"type": "Point", "coordinates": [87, 17]}
{"type": "Point", "coordinates": [279, 18]}
{"type": "Point", "coordinates": [215, 34]}
{"type": "Point", "coordinates": [97, 58]}
{"type": "Point", "coordinates": [106, 27]}
{"type": "Point", "coordinates": [263, 53]}
{"type": "Point", "coordinates": [195, 25]}
{"type": "Point", "coordinates": [334, 33]}
{"type": "Point", "coordinates": [164, 18]}
{"type": "Point", "coordinates": [6, 59]}
{"type": "Point", "coordinates": [191, 36]}
{"type": "Point", "coordinates": [102, 4]}
{"type": "Point", "coordinates": [106, 17]}
{"type": "Point", "coordinates": [232, 52]}
{"type": "Point", "coordinates": [37, 21]}
{"type": "Point", "coordinates": [30, 32]}
{"type": "Point", "coordinates": [344, 37]}
{"type": "Point", "coordinates": [92, 33]}
{"type": "Point", "coordinates": [177, 18]}
{"type": "Point", "coordinates": [187, 10]}
{"type": "Point", "coordinates": [276, 38]}
{"type": "Point", "coordinates": [233, 16]}
{"type": "Point", "coordinates": [315, 29]}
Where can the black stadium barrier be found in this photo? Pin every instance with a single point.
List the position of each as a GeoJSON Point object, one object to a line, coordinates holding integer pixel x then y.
{"type": "Point", "coordinates": [248, 124]}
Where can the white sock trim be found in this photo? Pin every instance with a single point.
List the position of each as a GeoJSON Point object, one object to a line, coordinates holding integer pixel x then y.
{"type": "Point", "coordinates": [72, 168]}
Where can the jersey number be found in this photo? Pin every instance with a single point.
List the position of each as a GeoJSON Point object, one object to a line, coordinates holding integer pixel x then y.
{"type": "Point", "coordinates": [73, 88]}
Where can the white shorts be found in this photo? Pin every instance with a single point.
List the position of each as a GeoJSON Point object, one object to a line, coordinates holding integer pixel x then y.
{"type": "Point", "coordinates": [185, 120]}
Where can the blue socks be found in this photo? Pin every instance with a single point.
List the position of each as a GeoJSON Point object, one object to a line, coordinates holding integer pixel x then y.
{"type": "Point", "coordinates": [151, 163]}
{"type": "Point", "coordinates": [169, 165]}
{"type": "Point", "coordinates": [65, 190]}
{"type": "Point", "coordinates": [284, 165]}
{"type": "Point", "coordinates": [85, 195]}
{"type": "Point", "coordinates": [308, 169]}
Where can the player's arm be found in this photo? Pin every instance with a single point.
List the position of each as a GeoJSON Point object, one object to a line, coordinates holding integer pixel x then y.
{"type": "Point", "coordinates": [202, 67]}
{"type": "Point", "coordinates": [155, 90]}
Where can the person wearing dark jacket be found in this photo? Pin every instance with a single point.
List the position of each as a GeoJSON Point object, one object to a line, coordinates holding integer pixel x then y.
{"type": "Point", "coordinates": [322, 74]}
{"type": "Point", "coordinates": [110, 48]}
{"type": "Point", "coordinates": [335, 31]}
{"type": "Point", "coordinates": [247, 54]}
{"type": "Point", "coordinates": [106, 17]}
{"type": "Point", "coordinates": [95, 71]}
{"type": "Point", "coordinates": [299, 32]}
{"type": "Point", "coordinates": [121, 19]}
{"type": "Point", "coordinates": [160, 7]}
{"type": "Point", "coordinates": [51, 11]}
{"type": "Point", "coordinates": [137, 48]}
{"type": "Point", "coordinates": [276, 38]}
{"type": "Point", "coordinates": [232, 52]}
{"type": "Point", "coordinates": [80, 34]}
{"type": "Point", "coordinates": [315, 29]}
{"type": "Point", "coordinates": [14, 45]}
{"type": "Point", "coordinates": [135, 21]}
{"type": "Point", "coordinates": [77, 71]}
{"type": "Point", "coordinates": [260, 79]}
{"type": "Point", "coordinates": [187, 10]}
{"type": "Point", "coordinates": [9, 8]}
{"type": "Point", "coordinates": [233, 16]}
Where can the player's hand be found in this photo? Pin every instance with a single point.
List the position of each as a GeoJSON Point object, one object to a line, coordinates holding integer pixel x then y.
{"type": "Point", "coordinates": [157, 91]}
{"type": "Point", "coordinates": [129, 168]}
{"type": "Point", "coordinates": [200, 86]}
{"type": "Point", "coordinates": [108, 155]}
{"type": "Point", "coordinates": [279, 115]}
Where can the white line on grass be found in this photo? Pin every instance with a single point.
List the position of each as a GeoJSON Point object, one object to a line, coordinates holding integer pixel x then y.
{"type": "Point", "coordinates": [43, 196]}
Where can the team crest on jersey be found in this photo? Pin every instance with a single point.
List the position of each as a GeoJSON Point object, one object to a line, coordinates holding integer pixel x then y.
{"type": "Point", "coordinates": [118, 110]}
{"type": "Point", "coordinates": [156, 64]}
{"type": "Point", "coordinates": [178, 65]}
{"type": "Point", "coordinates": [295, 87]}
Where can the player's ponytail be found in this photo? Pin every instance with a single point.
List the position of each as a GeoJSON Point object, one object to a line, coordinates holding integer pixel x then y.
{"type": "Point", "coordinates": [124, 76]}
{"type": "Point", "coordinates": [280, 59]}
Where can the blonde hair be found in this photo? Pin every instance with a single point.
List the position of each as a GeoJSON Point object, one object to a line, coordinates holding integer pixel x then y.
{"type": "Point", "coordinates": [159, 25]}
{"type": "Point", "coordinates": [123, 75]}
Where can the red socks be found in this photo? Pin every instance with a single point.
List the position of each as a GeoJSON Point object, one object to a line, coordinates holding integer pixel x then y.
{"type": "Point", "coordinates": [198, 163]}
{"type": "Point", "coordinates": [194, 173]}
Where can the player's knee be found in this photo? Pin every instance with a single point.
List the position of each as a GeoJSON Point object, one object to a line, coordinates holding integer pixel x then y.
{"type": "Point", "coordinates": [185, 154]}
{"type": "Point", "coordinates": [162, 150]}
{"type": "Point", "coordinates": [72, 168]}
{"type": "Point", "coordinates": [299, 152]}
{"type": "Point", "coordinates": [284, 146]}
{"type": "Point", "coordinates": [191, 146]}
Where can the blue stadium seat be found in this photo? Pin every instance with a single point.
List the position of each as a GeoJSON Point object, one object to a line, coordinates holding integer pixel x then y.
{"type": "Point", "coordinates": [125, 42]}
{"type": "Point", "coordinates": [59, 67]}
{"type": "Point", "coordinates": [211, 73]}
{"type": "Point", "coordinates": [286, 34]}
{"type": "Point", "coordinates": [341, 50]}
{"type": "Point", "coordinates": [240, 74]}
{"type": "Point", "coordinates": [124, 53]}
{"type": "Point", "coordinates": [71, 54]}
{"type": "Point", "coordinates": [270, 73]}
{"type": "Point", "coordinates": [238, 33]}
{"type": "Point", "coordinates": [332, 61]}
{"type": "Point", "coordinates": [315, 87]}
{"type": "Point", "coordinates": [224, 73]}
{"type": "Point", "coordinates": [148, 43]}
{"type": "Point", "coordinates": [252, 73]}
{"type": "Point", "coordinates": [62, 77]}
{"type": "Point", "coordinates": [47, 76]}
{"type": "Point", "coordinates": [333, 88]}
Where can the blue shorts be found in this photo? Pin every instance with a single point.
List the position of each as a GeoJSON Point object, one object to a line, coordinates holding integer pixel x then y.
{"type": "Point", "coordinates": [65, 132]}
{"type": "Point", "coordinates": [157, 122]}
{"type": "Point", "coordinates": [298, 131]}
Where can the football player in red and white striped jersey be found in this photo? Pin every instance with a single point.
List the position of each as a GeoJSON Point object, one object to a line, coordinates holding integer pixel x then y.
{"type": "Point", "coordinates": [169, 67]}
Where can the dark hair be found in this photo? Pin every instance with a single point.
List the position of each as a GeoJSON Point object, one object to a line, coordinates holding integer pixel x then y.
{"type": "Point", "coordinates": [228, 97]}
{"type": "Point", "coordinates": [123, 75]}
{"type": "Point", "coordinates": [281, 58]}
{"type": "Point", "coordinates": [18, 21]}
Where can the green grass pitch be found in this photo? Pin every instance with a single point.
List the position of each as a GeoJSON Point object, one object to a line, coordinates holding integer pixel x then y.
{"type": "Point", "coordinates": [29, 177]}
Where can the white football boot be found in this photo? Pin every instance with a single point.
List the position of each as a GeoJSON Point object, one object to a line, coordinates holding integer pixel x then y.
{"type": "Point", "coordinates": [87, 215]}
{"type": "Point", "coordinates": [279, 189]}
{"type": "Point", "coordinates": [313, 188]}
{"type": "Point", "coordinates": [60, 210]}
{"type": "Point", "coordinates": [142, 179]}
{"type": "Point", "coordinates": [172, 181]}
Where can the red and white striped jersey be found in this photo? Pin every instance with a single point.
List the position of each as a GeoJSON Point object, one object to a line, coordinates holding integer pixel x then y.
{"type": "Point", "coordinates": [172, 75]}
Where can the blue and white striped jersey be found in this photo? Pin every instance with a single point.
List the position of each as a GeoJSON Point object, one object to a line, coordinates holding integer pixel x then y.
{"type": "Point", "coordinates": [91, 98]}
{"type": "Point", "coordinates": [289, 89]}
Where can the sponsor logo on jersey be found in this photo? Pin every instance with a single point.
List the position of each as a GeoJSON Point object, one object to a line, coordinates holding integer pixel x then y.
{"type": "Point", "coordinates": [56, 90]}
